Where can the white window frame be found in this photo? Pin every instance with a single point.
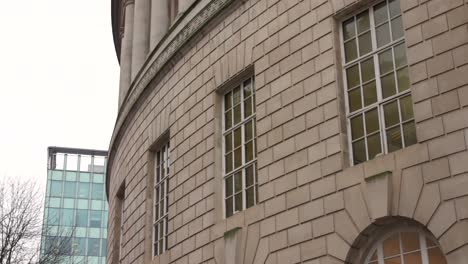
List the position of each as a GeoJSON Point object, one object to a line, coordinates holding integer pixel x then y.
{"type": "Point", "coordinates": [244, 165]}
{"type": "Point", "coordinates": [379, 104]}
{"type": "Point", "coordinates": [378, 246]}
{"type": "Point", "coordinates": [161, 162]}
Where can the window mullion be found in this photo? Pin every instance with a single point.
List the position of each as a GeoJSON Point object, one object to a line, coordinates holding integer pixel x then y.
{"type": "Point", "coordinates": [423, 244]}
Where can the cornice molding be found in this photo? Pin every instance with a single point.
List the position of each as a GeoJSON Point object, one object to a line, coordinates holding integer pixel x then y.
{"type": "Point", "coordinates": [153, 67]}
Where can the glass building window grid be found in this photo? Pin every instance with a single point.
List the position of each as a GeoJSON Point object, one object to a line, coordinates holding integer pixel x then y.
{"type": "Point", "coordinates": [239, 148]}
{"type": "Point", "coordinates": [366, 95]}
{"type": "Point", "coordinates": [406, 247]}
{"type": "Point", "coordinates": [160, 211]}
{"type": "Point", "coordinates": [63, 212]}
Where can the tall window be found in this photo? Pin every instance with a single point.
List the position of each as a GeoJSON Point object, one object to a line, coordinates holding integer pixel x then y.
{"type": "Point", "coordinates": [379, 105]}
{"type": "Point", "coordinates": [406, 247]}
{"type": "Point", "coordinates": [239, 133]}
{"type": "Point", "coordinates": [161, 176]}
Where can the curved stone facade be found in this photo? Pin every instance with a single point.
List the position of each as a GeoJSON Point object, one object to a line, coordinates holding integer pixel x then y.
{"type": "Point", "coordinates": [313, 206]}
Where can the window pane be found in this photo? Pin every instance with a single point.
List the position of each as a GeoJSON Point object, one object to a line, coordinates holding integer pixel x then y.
{"type": "Point", "coordinates": [237, 158]}
{"type": "Point", "coordinates": [406, 108]}
{"type": "Point", "coordinates": [357, 128]}
{"type": "Point", "coordinates": [93, 246]}
{"type": "Point", "coordinates": [367, 70]}
{"type": "Point", "coordinates": [352, 75]}
{"type": "Point", "coordinates": [400, 55]}
{"type": "Point", "coordinates": [436, 256]}
{"type": "Point", "coordinates": [248, 131]}
{"type": "Point", "coordinates": [386, 61]}
{"type": "Point", "coordinates": [53, 216]}
{"type": "Point", "coordinates": [409, 133]}
{"type": "Point", "coordinates": [82, 218]}
{"type": "Point", "coordinates": [236, 96]}
{"type": "Point", "coordinates": [349, 29]}
{"type": "Point", "coordinates": [394, 139]}
{"type": "Point", "coordinates": [95, 218]}
{"type": "Point", "coordinates": [372, 121]}
{"type": "Point", "coordinates": [249, 176]}
{"type": "Point", "coordinates": [380, 13]}
{"type": "Point", "coordinates": [98, 191]}
{"type": "Point", "coordinates": [373, 145]}
{"type": "Point", "coordinates": [359, 151]}
{"type": "Point", "coordinates": [410, 241]}
{"type": "Point", "coordinates": [391, 114]}
{"type": "Point", "coordinates": [227, 120]}
{"type": "Point", "coordinates": [249, 151]}
{"type": "Point", "coordinates": [403, 79]}
{"type": "Point", "coordinates": [228, 162]}
{"type": "Point", "coordinates": [363, 22]}
{"type": "Point", "coordinates": [237, 114]}
{"type": "Point", "coordinates": [228, 143]}
{"type": "Point", "coordinates": [229, 207]}
{"type": "Point", "coordinates": [370, 93]}
{"type": "Point", "coordinates": [237, 137]}
{"type": "Point", "coordinates": [69, 190]}
{"type": "Point", "coordinates": [238, 202]}
{"type": "Point", "coordinates": [394, 7]}
{"type": "Point", "coordinates": [250, 197]}
{"type": "Point", "coordinates": [365, 44]}
{"type": "Point", "coordinates": [413, 258]}
{"type": "Point", "coordinates": [383, 35]}
{"type": "Point", "coordinates": [227, 101]}
{"type": "Point", "coordinates": [56, 188]}
{"type": "Point", "coordinates": [67, 217]}
{"type": "Point", "coordinates": [350, 50]}
{"type": "Point", "coordinates": [391, 246]}
{"type": "Point", "coordinates": [388, 85]}
{"type": "Point", "coordinates": [247, 88]}
{"type": "Point", "coordinates": [397, 28]}
{"type": "Point", "coordinates": [354, 100]}
{"type": "Point", "coordinates": [238, 182]}
{"type": "Point", "coordinates": [248, 107]}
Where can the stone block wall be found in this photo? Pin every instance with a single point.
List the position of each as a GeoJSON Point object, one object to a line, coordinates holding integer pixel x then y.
{"type": "Point", "coordinates": [313, 205]}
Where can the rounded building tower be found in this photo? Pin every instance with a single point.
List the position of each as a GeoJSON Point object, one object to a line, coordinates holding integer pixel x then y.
{"type": "Point", "coordinates": [290, 131]}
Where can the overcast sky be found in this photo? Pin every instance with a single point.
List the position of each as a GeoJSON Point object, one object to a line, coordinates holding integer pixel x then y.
{"type": "Point", "coordinates": [58, 81]}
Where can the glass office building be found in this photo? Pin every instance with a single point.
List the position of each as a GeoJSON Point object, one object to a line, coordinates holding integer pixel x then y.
{"type": "Point", "coordinates": [75, 213]}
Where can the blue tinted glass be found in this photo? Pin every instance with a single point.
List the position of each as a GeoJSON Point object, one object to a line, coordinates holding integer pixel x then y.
{"type": "Point", "coordinates": [67, 217]}
{"type": "Point", "coordinates": [81, 218]}
{"type": "Point", "coordinates": [95, 218]}
{"type": "Point", "coordinates": [83, 190]}
{"type": "Point", "coordinates": [104, 247]}
{"type": "Point", "coordinates": [80, 246]}
{"type": "Point", "coordinates": [98, 191]}
{"type": "Point", "coordinates": [93, 246]}
{"type": "Point", "coordinates": [69, 190]}
{"type": "Point", "coordinates": [53, 216]}
{"type": "Point", "coordinates": [56, 188]}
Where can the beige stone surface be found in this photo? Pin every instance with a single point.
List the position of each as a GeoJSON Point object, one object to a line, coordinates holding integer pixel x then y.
{"type": "Point", "coordinates": [312, 204]}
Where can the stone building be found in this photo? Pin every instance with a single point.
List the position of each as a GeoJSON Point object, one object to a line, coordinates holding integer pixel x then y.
{"type": "Point", "coordinates": [290, 131]}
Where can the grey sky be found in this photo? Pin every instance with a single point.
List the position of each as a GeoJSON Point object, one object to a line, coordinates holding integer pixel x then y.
{"type": "Point", "coordinates": [58, 80]}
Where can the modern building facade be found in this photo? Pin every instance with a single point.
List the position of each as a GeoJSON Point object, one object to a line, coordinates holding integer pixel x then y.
{"type": "Point", "coordinates": [75, 214]}
{"type": "Point", "coordinates": [290, 131]}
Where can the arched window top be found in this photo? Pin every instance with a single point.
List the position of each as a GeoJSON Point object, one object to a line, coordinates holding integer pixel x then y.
{"type": "Point", "coordinates": [405, 246]}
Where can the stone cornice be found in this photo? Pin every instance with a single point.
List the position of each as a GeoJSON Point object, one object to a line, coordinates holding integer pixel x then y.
{"type": "Point", "coordinates": [175, 39]}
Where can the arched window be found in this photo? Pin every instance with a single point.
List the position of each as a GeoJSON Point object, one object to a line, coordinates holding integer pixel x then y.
{"type": "Point", "coordinates": [406, 246]}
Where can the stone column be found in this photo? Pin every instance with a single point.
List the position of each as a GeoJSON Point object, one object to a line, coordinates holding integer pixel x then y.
{"type": "Point", "coordinates": [126, 51]}
{"type": "Point", "coordinates": [159, 21]}
{"type": "Point", "coordinates": [141, 34]}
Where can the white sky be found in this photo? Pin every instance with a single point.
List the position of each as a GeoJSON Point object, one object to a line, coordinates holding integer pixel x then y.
{"type": "Point", "coordinates": [58, 81]}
